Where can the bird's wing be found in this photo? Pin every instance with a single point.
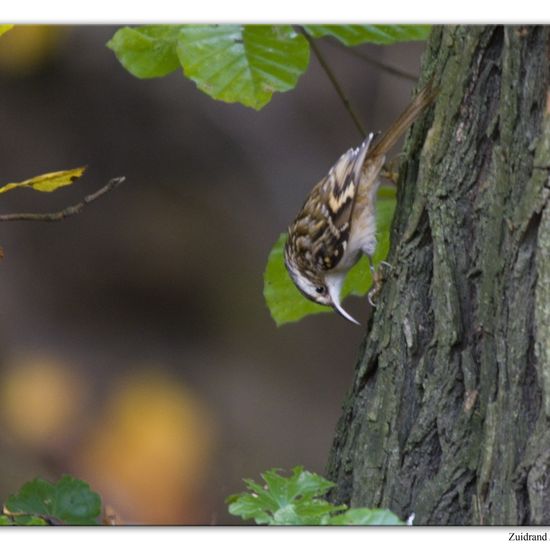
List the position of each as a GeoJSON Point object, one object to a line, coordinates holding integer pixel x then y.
{"type": "Point", "coordinates": [321, 231]}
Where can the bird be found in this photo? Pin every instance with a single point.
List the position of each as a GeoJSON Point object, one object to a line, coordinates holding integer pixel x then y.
{"type": "Point", "coordinates": [337, 222]}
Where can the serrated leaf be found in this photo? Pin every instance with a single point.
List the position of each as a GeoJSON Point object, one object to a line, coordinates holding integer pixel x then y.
{"type": "Point", "coordinates": [70, 501]}
{"type": "Point", "coordinates": [75, 502]}
{"type": "Point", "coordinates": [283, 299]}
{"type": "Point", "coordinates": [47, 182]}
{"type": "Point", "coordinates": [353, 35]}
{"type": "Point", "coordinates": [305, 512]}
{"type": "Point", "coordinates": [286, 515]}
{"type": "Point", "coordinates": [248, 507]}
{"type": "Point", "coordinates": [148, 51]}
{"type": "Point", "coordinates": [5, 28]}
{"type": "Point", "coordinates": [308, 484]}
{"type": "Point", "coordinates": [294, 500]}
{"type": "Point", "coordinates": [33, 498]}
{"type": "Point", "coordinates": [313, 512]}
{"type": "Point", "coordinates": [365, 516]}
{"type": "Point", "coordinates": [243, 63]}
{"type": "Point", "coordinates": [261, 495]}
{"type": "Point", "coordinates": [254, 504]}
{"type": "Point", "coordinates": [291, 500]}
{"type": "Point", "coordinates": [278, 487]}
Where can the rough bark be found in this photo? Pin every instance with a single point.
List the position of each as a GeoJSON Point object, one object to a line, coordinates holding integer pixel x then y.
{"type": "Point", "coordinates": [449, 414]}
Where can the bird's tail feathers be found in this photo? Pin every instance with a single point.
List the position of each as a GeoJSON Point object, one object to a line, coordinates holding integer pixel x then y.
{"type": "Point", "coordinates": [417, 106]}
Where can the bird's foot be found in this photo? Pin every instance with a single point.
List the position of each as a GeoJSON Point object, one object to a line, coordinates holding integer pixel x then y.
{"type": "Point", "coordinates": [390, 170]}
{"type": "Point", "coordinates": [378, 278]}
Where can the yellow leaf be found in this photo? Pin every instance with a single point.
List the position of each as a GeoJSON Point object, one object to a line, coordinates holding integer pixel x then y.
{"type": "Point", "coordinates": [47, 182]}
{"type": "Point", "coordinates": [5, 28]}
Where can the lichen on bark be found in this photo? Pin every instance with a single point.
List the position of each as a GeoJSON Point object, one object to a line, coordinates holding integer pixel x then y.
{"type": "Point", "coordinates": [449, 413]}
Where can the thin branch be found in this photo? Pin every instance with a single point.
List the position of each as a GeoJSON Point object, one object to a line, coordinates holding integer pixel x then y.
{"type": "Point", "coordinates": [383, 66]}
{"type": "Point", "coordinates": [334, 82]}
{"type": "Point", "coordinates": [66, 212]}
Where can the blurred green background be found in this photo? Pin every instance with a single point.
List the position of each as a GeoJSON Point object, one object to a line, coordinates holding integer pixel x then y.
{"type": "Point", "coordinates": [136, 351]}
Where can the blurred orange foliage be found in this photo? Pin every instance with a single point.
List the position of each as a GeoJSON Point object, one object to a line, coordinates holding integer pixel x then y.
{"type": "Point", "coordinates": [149, 452]}
{"type": "Point", "coordinates": [40, 400]}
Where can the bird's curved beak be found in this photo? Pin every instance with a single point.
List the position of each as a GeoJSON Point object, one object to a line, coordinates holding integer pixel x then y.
{"type": "Point", "coordinates": [334, 291]}
{"type": "Point", "coordinates": [344, 313]}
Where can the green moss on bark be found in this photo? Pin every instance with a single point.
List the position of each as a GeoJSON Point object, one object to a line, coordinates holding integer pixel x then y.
{"type": "Point", "coordinates": [449, 414]}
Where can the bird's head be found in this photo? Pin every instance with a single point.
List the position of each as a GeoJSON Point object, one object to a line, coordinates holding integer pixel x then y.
{"type": "Point", "coordinates": [323, 289]}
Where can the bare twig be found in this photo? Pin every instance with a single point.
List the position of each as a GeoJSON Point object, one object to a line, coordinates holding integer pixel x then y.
{"type": "Point", "coordinates": [381, 65]}
{"type": "Point", "coordinates": [66, 212]}
{"type": "Point", "coordinates": [334, 82]}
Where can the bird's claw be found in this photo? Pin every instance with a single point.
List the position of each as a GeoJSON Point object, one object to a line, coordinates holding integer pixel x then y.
{"type": "Point", "coordinates": [377, 279]}
{"type": "Point", "coordinates": [373, 292]}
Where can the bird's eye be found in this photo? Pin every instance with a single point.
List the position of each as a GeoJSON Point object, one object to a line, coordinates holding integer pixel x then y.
{"type": "Point", "coordinates": [320, 290]}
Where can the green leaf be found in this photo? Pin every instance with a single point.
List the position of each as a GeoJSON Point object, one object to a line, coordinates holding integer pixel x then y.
{"type": "Point", "coordinates": [239, 63]}
{"type": "Point", "coordinates": [70, 501]}
{"type": "Point", "coordinates": [261, 495]}
{"type": "Point", "coordinates": [47, 182]}
{"type": "Point", "coordinates": [295, 500]}
{"type": "Point", "coordinates": [359, 280]}
{"type": "Point", "coordinates": [365, 516]}
{"type": "Point", "coordinates": [148, 51]}
{"type": "Point", "coordinates": [5, 28]}
{"type": "Point", "coordinates": [304, 483]}
{"type": "Point", "coordinates": [29, 520]}
{"type": "Point", "coordinates": [23, 519]}
{"type": "Point", "coordinates": [289, 500]}
{"type": "Point", "coordinates": [315, 511]}
{"type": "Point", "coordinates": [232, 63]}
{"type": "Point", "coordinates": [352, 35]}
{"type": "Point", "coordinates": [283, 299]}
{"type": "Point", "coordinates": [247, 507]}
{"type": "Point", "coordinates": [243, 63]}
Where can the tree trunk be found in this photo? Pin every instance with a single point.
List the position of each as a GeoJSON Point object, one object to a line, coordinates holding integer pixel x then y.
{"type": "Point", "coordinates": [449, 414]}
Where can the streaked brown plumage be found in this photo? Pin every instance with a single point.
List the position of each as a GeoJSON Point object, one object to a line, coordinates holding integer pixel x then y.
{"type": "Point", "coordinates": [337, 222]}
